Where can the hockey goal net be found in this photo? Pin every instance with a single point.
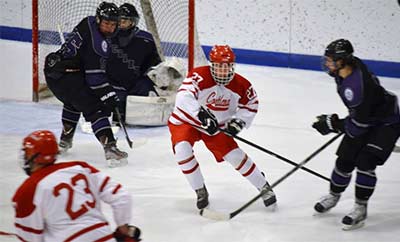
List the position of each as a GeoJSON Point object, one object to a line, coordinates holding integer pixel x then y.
{"type": "Point", "coordinates": [172, 23]}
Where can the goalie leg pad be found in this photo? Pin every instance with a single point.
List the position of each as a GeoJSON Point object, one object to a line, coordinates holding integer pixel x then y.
{"type": "Point", "coordinates": [149, 111]}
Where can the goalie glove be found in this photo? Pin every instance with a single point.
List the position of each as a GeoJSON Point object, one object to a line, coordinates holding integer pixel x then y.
{"type": "Point", "coordinates": [328, 123]}
{"type": "Point", "coordinates": [234, 126]}
{"type": "Point", "coordinates": [208, 121]}
{"type": "Point", "coordinates": [127, 233]}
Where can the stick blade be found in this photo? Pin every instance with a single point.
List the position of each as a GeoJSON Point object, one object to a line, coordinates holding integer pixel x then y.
{"type": "Point", "coordinates": [214, 215]}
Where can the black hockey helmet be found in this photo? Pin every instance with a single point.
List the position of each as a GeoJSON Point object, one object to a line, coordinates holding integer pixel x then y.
{"type": "Point", "coordinates": [107, 11]}
{"type": "Point", "coordinates": [340, 49]}
{"type": "Point", "coordinates": [128, 11]}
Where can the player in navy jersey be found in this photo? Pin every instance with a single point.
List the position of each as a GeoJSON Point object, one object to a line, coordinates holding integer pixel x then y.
{"type": "Point", "coordinates": [76, 74]}
{"type": "Point", "coordinates": [133, 53]}
{"type": "Point", "coordinates": [371, 129]}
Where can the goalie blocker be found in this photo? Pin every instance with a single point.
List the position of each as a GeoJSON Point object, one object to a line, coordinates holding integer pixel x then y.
{"type": "Point", "coordinates": [155, 110]}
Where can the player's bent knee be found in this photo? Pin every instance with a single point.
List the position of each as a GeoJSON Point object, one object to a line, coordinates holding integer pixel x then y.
{"type": "Point", "coordinates": [183, 151]}
{"type": "Point", "coordinates": [235, 157]}
{"type": "Point", "coordinates": [368, 161]}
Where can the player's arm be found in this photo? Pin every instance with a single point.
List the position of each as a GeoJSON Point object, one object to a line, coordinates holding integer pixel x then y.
{"type": "Point", "coordinates": [115, 195]}
{"type": "Point", "coordinates": [248, 106]}
{"type": "Point", "coordinates": [29, 225]}
{"type": "Point", "coordinates": [186, 103]}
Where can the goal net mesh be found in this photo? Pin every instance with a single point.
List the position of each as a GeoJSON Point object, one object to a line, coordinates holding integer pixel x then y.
{"type": "Point", "coordinates": [171, 18]}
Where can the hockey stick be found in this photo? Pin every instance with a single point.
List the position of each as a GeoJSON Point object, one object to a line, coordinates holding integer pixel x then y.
{"type": "Point", "coordinates": [215, 215]}
{"type": "Point", "coordinates": [274, 154]}
{"type": "Point", "coordinates": [7, 233]}
{"type": "Point", "coordinates": [123, 128]}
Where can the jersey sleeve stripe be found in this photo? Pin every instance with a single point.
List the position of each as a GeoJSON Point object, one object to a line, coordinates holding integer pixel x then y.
{"type": "Point", "coordinates": [103, 185]}
{"type": "Point", "coordinates": [250, 109]}
{"type": "Point", "coordinates": [116, 189]}
{"type": "Point", "coordinates": [105, 238]}
{"type": "Point", "coordinates": [188, 116]}
{"type": "Point", "coordinates": [28, 229]}
{"type": "Point", "coordinates": [86, 230]}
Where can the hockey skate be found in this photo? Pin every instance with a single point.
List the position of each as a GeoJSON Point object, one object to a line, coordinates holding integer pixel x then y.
{"type": "Point", "coordinates": [64, 145]}
{"type": "Point", "coordinates": [66, 138]}
{"type": "Point", "coordinates": [202, 197]}
{"type": "Point", "coordinates": [269, 197]}
{"type": "Point", "coordinates": [114, 156]}
{"type": "Point", "coordinates": [326, 203]}
{"type": "Point", "coordinates": [356, 218]}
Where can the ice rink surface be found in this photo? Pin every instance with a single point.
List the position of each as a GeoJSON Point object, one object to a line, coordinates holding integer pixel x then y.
{"type": "Point", "coordinates": [164, 204]}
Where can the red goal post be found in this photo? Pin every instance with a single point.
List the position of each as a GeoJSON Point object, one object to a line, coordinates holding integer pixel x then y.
{"type": "Point", "coordinates": [172, 23]}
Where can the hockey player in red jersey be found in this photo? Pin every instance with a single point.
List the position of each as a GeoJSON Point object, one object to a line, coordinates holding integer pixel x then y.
{"type": "Point", "coordinates": [213, 97]}
{"type": "Point", "coordinates": [61, 201]}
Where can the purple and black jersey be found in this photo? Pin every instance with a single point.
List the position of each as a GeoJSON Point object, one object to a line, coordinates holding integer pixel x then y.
{"type": "Point", "coordinates": [369, 104]}
{"type": "Point", "coordinates": [87, 49]}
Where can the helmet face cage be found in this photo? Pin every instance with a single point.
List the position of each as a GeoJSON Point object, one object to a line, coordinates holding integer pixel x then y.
{"type": "Point", "coordinates": [222, 72]}
{"type": "Point", "coordinates": [222, 64]}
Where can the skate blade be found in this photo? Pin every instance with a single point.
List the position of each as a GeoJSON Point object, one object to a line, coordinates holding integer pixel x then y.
{"type": "Point", "coordinates": [272, 208]}
{"type": "Point", "coordinates": [353, 226]}
{"type": "Point", "coordinates": [112, 163]}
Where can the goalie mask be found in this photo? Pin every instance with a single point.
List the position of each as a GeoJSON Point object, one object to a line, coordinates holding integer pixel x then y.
{"type": "Point", "coordinates": [222, 64]}
{"type": "Point", "coordinates": [128, 24]}
{"type": "Point", "coordinates": [39, 147]}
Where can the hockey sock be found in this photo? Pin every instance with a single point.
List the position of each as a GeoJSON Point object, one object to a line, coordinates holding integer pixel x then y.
{"type": "Point", "coordinates": [246, 167]}
{"type": "Point", "coordinates": [188, 164]}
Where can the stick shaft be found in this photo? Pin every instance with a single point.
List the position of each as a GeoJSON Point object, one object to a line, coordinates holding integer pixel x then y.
{"type": "Point", "coordinates": [237, 211]}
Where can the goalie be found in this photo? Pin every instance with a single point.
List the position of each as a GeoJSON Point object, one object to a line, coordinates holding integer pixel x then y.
{"type": "Point", "coordinates": [138, 75]}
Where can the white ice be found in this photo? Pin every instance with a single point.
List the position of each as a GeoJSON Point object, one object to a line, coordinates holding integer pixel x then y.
{"type": "Point", "coordinates": [164, 204]}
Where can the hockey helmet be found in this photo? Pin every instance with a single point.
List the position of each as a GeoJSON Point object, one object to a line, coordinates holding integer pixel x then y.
{"type": "Point", "coordinates": [339, 49]}
{"type": "Point", "coordinates": [39, 147]}
{"type": "Point", "coordinates": [107, 11]}
{"type": "Point", "coordinates": [222, 64]}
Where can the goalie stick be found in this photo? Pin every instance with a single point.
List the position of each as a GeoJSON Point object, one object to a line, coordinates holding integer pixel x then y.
{"type": "Point", "coordinates": [274, 154]}
{"type": "Point", "coordinates": [215, 215]}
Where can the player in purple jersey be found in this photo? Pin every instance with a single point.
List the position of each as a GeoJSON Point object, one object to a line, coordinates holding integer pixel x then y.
{"type": "Point", "coordinates": [76, 74]}
{"type": "Point", "coordinates": [370, 129]}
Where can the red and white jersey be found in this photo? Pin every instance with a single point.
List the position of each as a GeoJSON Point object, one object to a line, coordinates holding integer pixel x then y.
{"type": "Point", "coordinates": [61, 202]}
{"type": "Point", "coordinates": [237, 99]}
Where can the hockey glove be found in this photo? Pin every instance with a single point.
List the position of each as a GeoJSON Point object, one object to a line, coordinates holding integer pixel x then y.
{"type": "Point", "coordinates": [234, 126]}
{"type": "Point", "coordinates": [326, 124]}
{"type": "Point", "coordinates": [127, 233]}
{"type": "Point", "coordinates": [208, 121]}
{"type": "Point", "coordinates": [110, 99]}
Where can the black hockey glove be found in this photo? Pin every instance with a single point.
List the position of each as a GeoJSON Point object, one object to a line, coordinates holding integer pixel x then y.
{"type": "Point", "coordinates": [327, 123]}
{"type": "Point", "coordinates": [110, 99]}
{"type": "Point", "coordinates": [208, 121]}
{"type": "Point", "coordinates": [234, 126]}
{"type": "Point", "coordinates": [132, 235]}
